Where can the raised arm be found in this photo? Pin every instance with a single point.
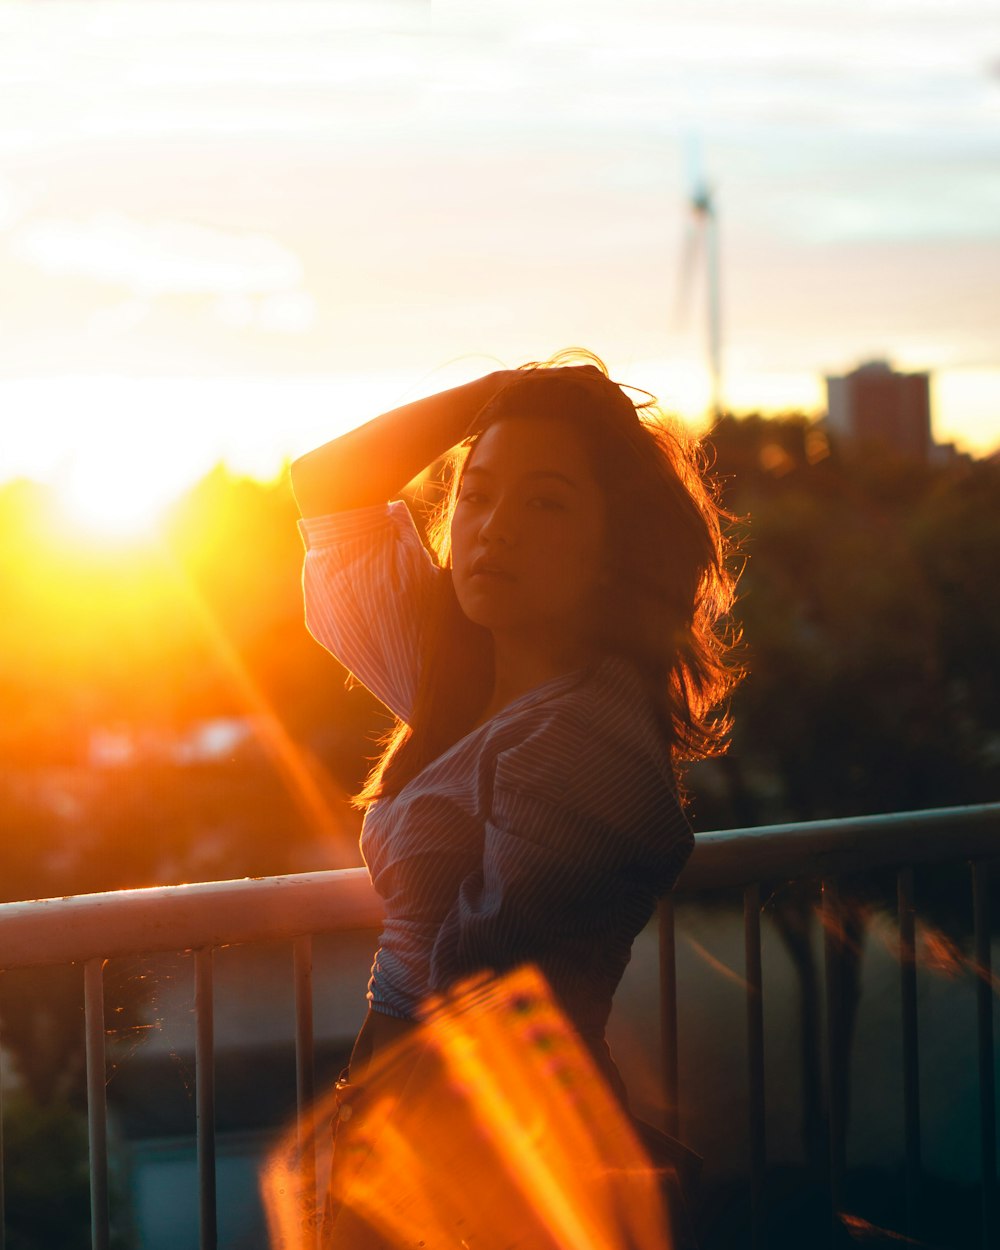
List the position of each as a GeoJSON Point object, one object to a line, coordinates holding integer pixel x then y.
{"type": "Point", "coordinates": [373, 463]}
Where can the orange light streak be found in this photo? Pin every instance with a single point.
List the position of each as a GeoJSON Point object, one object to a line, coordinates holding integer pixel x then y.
{"type": "Point", "coordinates": [301, 778]}
{"type": "Point", "coordinates": [933, 949]}
{"type": "Point", "coordinates": [488, 1126]}
{"type": "Point", "coordinates": [535, 1162]}
{"type": "Point", "coordinates": [936, 952]}
{"type": "Point", "coordinates": [723, 969]}
{"type": "Point", "coordinates": [835, 927]}
{"type": "Point", "coordinates": [862, 1230]}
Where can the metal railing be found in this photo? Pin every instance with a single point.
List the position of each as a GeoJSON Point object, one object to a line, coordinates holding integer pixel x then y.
{"type": "Point", "coordinates": [828, 851]}
{"type": "Point", "coordinates": [90, 929]}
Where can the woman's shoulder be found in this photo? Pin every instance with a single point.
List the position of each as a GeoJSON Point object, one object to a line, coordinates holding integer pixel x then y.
{"type": "Point", "coordinates": [599, 742]}
{"type": "Point", "coordinates": [595, 761]}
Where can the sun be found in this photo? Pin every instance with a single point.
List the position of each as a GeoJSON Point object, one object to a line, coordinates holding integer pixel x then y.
{"type": "Point", "coordinates": [105, 501]}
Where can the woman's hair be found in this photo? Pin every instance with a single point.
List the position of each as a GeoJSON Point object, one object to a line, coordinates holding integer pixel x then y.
{"type": "Point", "coordinates": [669, 587]}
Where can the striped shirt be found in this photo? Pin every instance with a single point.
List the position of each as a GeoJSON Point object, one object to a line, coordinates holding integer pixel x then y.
{"type": "Point", "coordinates": [544, 836]}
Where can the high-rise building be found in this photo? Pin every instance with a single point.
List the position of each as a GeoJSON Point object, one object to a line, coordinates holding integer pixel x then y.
{"type": "Point", "coordinates": [874, 403]}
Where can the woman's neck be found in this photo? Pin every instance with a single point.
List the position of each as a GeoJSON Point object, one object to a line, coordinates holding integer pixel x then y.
{"type": "Point", "coordinates": [519, 669]}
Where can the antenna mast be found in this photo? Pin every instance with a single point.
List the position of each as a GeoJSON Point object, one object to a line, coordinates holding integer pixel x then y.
{"type": "Point", "coordinates": [704, 210]}
{"type": "Point", "coordinates": [703, 235]}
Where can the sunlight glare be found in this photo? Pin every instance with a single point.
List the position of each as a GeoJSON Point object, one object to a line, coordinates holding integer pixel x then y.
{"type": "Point", "coordinates": [103, 500]}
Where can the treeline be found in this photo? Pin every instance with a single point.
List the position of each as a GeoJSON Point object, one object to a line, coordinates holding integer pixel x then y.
{"type": "Point", "coordinates": [870, 612]}
{"type": "Point", "coordinates": [871, 617]}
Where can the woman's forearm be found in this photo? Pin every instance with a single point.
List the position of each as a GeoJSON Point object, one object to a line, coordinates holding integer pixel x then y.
{"type": "Point", "coordinates": [373, 463]}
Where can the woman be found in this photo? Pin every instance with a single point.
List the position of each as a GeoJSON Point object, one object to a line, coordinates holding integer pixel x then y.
{"type": "Point", "coordinates": [549, 661]}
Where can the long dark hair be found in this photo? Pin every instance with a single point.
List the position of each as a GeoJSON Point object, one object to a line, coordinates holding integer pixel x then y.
{"type": "Point", "coordinates": [670, 586]}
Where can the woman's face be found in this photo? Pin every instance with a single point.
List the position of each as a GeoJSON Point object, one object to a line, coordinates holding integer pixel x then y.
{"type": "Point", "coordinates": [528, 533]}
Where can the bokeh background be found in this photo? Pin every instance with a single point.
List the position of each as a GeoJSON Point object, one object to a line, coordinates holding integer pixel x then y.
{"type": "Point", "coordinates": [231, 229]}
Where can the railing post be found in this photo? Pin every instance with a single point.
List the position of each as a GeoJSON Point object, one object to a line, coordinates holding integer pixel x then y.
{"type": "Point", "coordinates": [305, 1072]}
{"type": "Point", "coordinates": [97, 1102]}
{"type": "Point", "coordinates": [836, 1054]}
{"type": "Point", "coordinates": [755, 1058]}
{"type": "Point", "coordinates": [911, 1055]}
{"type": "Point", "coordinates": [984, 1013]}
{"type": "Point", "coordinates": [3, 1196]}
{"type": "Point", "coordinates": [668, 1015]}
{"type": "Point", "coordinates": [204, 1076]}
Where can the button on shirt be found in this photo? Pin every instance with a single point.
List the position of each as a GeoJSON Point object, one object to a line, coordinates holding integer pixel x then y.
{"type": "Point", "coordinates": [544, 836]}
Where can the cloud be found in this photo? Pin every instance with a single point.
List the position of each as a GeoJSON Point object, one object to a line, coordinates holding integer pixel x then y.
{"type": "Point", "coordinates": [12, 206]}
{"type": "Point", "coordinates": [158, 258]}
{"type": "Point", "coordinates": [283, 312]}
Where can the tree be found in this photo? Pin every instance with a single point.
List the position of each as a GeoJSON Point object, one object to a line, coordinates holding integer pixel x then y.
{"type": "Point", "coordinates": [854, 607]}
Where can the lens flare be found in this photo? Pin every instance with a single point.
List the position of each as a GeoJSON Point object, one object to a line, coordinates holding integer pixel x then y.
{"type": "Point", "coordinates": [489, 1126]}
{"type": "Point", "coordinates": [717, 965]}
{"type": "Point", "coordinates": [317, 796]}
{"type": "Point", "coordinates": [862, 1230]}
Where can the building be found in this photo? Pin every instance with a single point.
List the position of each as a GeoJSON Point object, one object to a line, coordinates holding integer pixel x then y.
{"type": "Point", "coordinates": [876, 404]}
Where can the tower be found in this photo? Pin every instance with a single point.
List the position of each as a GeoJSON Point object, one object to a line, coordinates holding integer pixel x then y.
{"type": "Point", "coordinates": [876, 404]}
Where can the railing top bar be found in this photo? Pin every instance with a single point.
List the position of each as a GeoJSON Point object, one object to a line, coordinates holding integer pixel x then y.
{"type": "Point", "coordinates": [185, 917]}
{"type": "Point", "coordinates": [825, 848]}
{"type": "Point", "coordinates": [219, 913]}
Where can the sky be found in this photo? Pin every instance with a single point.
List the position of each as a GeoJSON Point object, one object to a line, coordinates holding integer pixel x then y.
{"type": "Point", "coordinates": [230, 229]}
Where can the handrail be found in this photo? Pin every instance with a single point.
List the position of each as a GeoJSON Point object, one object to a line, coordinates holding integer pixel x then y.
{"type": "Point", "coordinates": [206, 914]}
{"type": "Point", "coordinates": [80, 927]}
{"type": "Point", "coordinates": [830, 848]}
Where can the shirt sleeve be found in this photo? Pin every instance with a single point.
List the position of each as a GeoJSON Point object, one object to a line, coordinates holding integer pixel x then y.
{"type": "Point", "coordinates": [367, 582]}
{"type": "Point", "coordinates": [582, 837]}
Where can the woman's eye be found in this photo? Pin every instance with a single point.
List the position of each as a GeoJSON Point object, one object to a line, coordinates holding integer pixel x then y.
{"type": "Point", "coordinates": [546, 503]}
{"type": "Point", "coordinates": [471, 496]}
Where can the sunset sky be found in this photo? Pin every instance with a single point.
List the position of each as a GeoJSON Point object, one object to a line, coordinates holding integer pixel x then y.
{"type": "Point", "coordinates": [228, 229]}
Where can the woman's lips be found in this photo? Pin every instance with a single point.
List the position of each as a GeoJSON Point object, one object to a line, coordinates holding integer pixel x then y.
{"type": "Point", "coordinates": [487, 569]}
